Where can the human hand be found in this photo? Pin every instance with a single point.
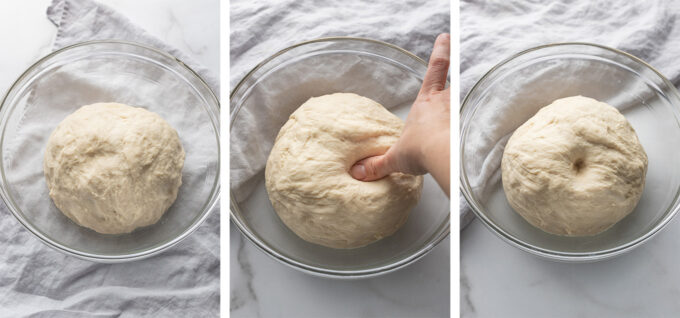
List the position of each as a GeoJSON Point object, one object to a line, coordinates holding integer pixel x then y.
{"type": "Point", "coordinates": [424, 143]}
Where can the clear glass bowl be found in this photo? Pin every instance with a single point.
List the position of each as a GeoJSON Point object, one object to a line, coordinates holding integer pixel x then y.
{"type": "Point", "coordinates": [107, 71]}
{"type": "Point", "coordinates": [513, 91]}
{"type": "Point", "coordinates": [262, 102]}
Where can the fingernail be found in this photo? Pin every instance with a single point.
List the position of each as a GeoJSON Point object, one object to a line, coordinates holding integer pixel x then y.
{"type": "Point", "coordinates": [358, 172]}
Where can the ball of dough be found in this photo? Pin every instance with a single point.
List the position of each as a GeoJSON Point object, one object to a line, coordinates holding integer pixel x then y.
{"type": "Point", "coordinates": [113, 168]}
{"type": "Point", "coordinates": [307, 174]}
{"type": "Point", "coordinates": [575, 168]}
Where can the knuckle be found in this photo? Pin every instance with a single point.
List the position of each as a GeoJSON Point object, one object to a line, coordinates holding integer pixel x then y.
{"type": "Point", "coordinates": [438, 93]}
{"type": "Point", "coordinates": [439, 62]}
{"type": "Point", "coordinates": [372, 168]}
{"type": "Point", "coordinates": [436, 87]}
{"type": "Point", "coordinates": [425, 98]}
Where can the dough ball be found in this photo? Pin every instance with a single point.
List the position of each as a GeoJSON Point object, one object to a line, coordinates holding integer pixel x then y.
{"type": "Point", "coordinates": [307, 174]}
{"type": "Point", "coordinates": [113, 168]}
{"type": "Point", "coordinates": [575, 168]}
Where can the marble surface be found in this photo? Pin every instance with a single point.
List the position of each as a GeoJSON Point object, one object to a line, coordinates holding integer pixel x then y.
{"type": "Point", "coordinates": [499, 280]}
{"type": "Point", "coordinates": [263, 287]}
{"type": "Point", "coordinates": [190, 26]}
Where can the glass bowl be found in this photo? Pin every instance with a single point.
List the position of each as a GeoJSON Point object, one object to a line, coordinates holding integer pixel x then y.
{"type": "Point", "coordinates": [262, 102]}
{"type": "Point", "coordinates": [515, 89]}
{"type": "Point", "coordinates": [107, 71]}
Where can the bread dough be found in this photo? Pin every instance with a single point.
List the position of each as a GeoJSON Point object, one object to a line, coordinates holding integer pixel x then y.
{"type": "Point", "coordinates": [307, 174]}
{"type": "Point", "coordinates": [113, 168]}
{"type": "Point", "coordinates": [575, 168]}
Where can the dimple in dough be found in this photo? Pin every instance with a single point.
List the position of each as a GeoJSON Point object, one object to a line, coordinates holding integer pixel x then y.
{"type": "Point", "coordinates": [307, 177]}
{"type": "Point", "coordinates": [575, 168]}
{"type": "Point", "coordinates": [113, 168]}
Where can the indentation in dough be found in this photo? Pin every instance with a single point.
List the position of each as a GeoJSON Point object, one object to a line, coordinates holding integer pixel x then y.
{"type": "Point", "coordinates": [307, 177]}
{"type": "Point", "coordinates": [575, 168]}
{"type": "Point", "coordinates": [579, 165]}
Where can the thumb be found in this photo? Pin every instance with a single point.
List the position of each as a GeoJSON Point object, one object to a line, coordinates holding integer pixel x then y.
{"type": "Point", "coordinates": [371, 168]}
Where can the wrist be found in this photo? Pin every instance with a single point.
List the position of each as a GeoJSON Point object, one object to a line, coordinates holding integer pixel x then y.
{"type": "Point", "coordinates": [437, 160]}
{"type": "Point", "coordinates": [435, 151]}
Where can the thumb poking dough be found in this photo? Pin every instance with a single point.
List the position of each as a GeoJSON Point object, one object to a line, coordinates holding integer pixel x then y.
{"type": "Point", "coordinates": [307, 176]}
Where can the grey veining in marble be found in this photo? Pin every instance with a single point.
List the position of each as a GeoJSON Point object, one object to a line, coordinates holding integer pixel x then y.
{"type": "Point", "coordinates": [263, 287]}
{"type": "Point", "coordinates": [498, 280]}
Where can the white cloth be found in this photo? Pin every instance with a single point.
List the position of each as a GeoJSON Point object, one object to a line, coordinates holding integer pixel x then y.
{"type": "Point", "coordinates": [494, 30]}
{"type": "Point", "coordinates": [37, 281]}
{"type": "Point", "coordinates": [260, 29]}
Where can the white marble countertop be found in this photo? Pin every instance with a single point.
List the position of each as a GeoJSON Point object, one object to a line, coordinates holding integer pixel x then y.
{"type": "Point", "coordinates": [263, 287]}
{"type": "Point", "coordinates": [499, 280]}
{"type": "Point", "coordinates": [192, 27]}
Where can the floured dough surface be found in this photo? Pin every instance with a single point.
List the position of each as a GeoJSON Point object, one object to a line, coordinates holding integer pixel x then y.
{"type": "Point", "coordinates": [575, 168]}
{"type": "Point", "coordinates": [113, 168]}
{"type": "Point", "coordinates": [307, 176]}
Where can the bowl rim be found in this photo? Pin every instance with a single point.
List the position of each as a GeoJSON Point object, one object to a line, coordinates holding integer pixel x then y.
{"type": "Point", "coordinates": [542, 252]}
{"type": "Point", "coordinates": [116, 258]}
{"type": "Point", "coordinates": [443, 230]}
